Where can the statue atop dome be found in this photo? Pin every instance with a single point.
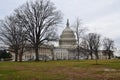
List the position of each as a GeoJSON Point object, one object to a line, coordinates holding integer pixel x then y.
{"type": "Point", "coordinates": [67, 23]}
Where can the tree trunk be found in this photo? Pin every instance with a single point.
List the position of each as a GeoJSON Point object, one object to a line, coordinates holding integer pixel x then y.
{"type": "Point", "coordinates": [20, 57]}
{"type": "Point", "coordinates": [53, 56]}
{"type": "Point", "coordinates": [78, 52]}
{"type": "Point", "coordinates": [109, 55]}
{"type": "Point", "coordinates": [16, 56]}
{"type": "Point", "coordinates": [97, 57]}
{"type": "Point", "coordinates": [91, 55]}
{"type": "Point", "coordinates": [36, 53]}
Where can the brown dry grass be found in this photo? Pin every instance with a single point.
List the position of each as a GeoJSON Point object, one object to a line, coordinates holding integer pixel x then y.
{"type": "Point", "coordinates": [61, 70]}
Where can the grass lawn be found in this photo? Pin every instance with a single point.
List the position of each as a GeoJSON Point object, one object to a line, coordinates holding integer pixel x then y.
{"type": "Point", "coordinates": [61, 70]}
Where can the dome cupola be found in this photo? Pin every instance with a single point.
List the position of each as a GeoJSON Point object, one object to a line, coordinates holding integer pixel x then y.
{"type": "Point", "coordinates": [67, 38]}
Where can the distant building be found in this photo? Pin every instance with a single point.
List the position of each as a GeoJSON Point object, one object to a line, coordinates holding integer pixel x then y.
{"type": "Point", "coordinates": [66, 50]}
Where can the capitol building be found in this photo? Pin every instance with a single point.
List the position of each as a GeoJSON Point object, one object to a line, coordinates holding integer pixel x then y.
{"type": "Point", "coordinates": [67, 44]}
{"type": "Point", "coordinates": [66, 50]}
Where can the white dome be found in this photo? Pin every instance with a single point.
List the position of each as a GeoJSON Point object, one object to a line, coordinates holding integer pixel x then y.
{"type": "Point", "coordinates": [67, 38]}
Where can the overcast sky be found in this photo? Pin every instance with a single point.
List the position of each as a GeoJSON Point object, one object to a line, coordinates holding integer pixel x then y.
{"type": "Point", "coordinates": [101, 16]}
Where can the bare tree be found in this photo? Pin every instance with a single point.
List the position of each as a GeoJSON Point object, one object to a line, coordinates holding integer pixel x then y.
{"type": "Point", "coordinates": [13, 35]}
{"type": "Point", "coordinates": [39, 17]}
{"type": "Point", "coordinates": [85, 48]}
{"type": "Point", "coordinates": [89, 41]}
{"type": "Point", "coordinates": [93, 41]}
{"type": "Point", "coordinates": [108, 46]}
{"type": "Point", "coordinates": [79, 31]}
{"type": "Point", "coordinates": [96, 44]}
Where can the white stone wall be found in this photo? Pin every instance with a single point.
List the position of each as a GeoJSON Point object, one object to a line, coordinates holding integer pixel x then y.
{"type": "Point", "coordinates": [60, 53]}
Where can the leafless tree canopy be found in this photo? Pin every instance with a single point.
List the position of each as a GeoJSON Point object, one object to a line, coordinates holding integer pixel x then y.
{"type": "Point", "coordinates": [88, 38]}
{"type": "Point", "coordinates": [40, 18]}
{"type": "Point", "coordinates": [13, 34]}
{"type": "Point", "coordinates": [85, 47]}
{"type": "Point", "coordinates": [96, 44]}
{"type": "Point", "coordinates": [93, 41]}
{"type": "Point", "coordinates": [34, 21]}
{"type": "Point", "coordinates": [108, 46]}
